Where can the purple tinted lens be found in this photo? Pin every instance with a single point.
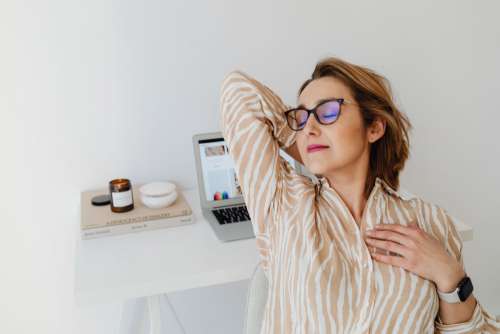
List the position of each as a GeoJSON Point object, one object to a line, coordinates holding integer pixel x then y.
{"type": "Point", "coordinates": [329, 111]}
{"type": "Point", "coordinates": [301, 117]}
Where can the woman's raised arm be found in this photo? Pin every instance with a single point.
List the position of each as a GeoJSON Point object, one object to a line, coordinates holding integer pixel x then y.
{"type": "Point", "coordinates": [254, 127]}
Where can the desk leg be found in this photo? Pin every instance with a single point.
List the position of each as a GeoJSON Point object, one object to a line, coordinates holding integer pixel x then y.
{"type": "Point", "coordinates": [154, 314]}
{"type": "Point", "coordinates": [161, 313]}
{"type": "Point", "coordinates": [150, 315]}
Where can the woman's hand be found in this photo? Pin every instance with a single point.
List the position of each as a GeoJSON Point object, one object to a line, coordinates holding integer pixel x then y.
{"type": "Point", "coordinates": [416, 251]}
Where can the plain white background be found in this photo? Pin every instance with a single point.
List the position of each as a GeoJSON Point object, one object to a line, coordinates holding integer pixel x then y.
{"type": "Point", "coordinates": [94, 90]}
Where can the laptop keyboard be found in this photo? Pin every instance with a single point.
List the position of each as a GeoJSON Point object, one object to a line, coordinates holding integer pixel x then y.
{"type": "Point", "coordinates": [231, 215]}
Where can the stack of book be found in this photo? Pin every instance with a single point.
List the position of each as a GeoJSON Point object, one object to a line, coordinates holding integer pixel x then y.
{"type": "Point", "coordinates": [100, 221]}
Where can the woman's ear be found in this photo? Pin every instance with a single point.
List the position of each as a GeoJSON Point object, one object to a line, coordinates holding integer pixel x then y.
{"type": "Point", "coordinates": [376, 130]}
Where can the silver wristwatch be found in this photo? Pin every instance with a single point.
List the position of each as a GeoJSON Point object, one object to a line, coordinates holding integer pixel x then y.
{"type": "Point", "coordinates": [460, 294]}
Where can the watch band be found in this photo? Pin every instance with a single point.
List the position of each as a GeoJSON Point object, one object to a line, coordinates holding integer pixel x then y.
{"type": "Point", "coordinates": [460, 294]}
{"type": "Point", "coordinates": [449, 297]}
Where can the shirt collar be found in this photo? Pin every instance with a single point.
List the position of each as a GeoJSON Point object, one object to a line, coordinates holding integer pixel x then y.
{"type": "Point", "coordinates": [402, 194]}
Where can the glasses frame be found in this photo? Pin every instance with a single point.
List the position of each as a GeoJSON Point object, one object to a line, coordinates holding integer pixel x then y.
{"type": "Point", "coordinates": [341, 101]}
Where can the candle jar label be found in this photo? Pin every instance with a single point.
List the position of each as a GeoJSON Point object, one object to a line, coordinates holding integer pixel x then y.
{"type": "Point", "coordinates": [123, 198]}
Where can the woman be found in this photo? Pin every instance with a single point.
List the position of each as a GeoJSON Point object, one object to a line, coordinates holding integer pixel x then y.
{"type": "Point", "coordinates": [326, 272]}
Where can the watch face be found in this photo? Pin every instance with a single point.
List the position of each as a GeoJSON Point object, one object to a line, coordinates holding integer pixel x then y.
{"type": "Point", "coordinates": [465, 289]}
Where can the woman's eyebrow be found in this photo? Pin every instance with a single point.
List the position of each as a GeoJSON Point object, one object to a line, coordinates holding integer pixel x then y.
{"type": "Point", "coordinates": [319, 102]}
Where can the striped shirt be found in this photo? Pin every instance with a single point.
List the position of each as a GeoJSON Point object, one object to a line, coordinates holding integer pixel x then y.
{"type": "Point", "coordinates": [321, 276]}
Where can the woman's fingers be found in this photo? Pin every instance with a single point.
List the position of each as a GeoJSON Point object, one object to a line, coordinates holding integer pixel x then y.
{"type": "Point", "coordinates": [388, 235]}
{"type": "Point", "coordinates": [410, 231]}
{"type": "Point", "coordinates": [390, 246]}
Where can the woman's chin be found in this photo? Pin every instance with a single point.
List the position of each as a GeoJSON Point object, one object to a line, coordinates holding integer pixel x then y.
{"type": "Point", "coordinates": [316, 168]}
{"type": "Point", "coordinates": [322, 167]}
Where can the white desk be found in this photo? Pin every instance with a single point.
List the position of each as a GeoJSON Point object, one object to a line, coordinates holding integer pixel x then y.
{"type": "Point", "coordinates": [147, 263]}
{"type": "Point", "coordinates": [160, 261]}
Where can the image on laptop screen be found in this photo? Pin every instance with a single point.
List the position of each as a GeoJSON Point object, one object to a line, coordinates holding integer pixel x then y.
{"type": "Point", "coordinates": [218, 171]}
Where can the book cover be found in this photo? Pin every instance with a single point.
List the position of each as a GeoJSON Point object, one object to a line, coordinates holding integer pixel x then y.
{"type": "Point", "coordinates": [105, 231]}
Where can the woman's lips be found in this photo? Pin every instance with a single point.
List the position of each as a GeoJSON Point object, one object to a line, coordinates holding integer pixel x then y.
{"type": "Point", "coordinates": [315, 148]}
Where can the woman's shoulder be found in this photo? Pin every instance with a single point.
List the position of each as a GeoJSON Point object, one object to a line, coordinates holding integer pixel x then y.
{"type": "Point", "coordinates": [401, 193]}
{"type": "Point", "coordinates": [432, 217]}
{"type": "Point", "coordinates": [411, 199]}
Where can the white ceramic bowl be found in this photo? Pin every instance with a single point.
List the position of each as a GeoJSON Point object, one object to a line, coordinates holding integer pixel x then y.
{"type": "Point", "coordinates": [156, 195]}
{"type": "Point", "coordinates": [158, 202]}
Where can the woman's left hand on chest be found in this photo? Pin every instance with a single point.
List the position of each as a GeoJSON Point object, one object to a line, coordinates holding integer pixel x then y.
{"type": "Point", "coordinates": [415, 250]}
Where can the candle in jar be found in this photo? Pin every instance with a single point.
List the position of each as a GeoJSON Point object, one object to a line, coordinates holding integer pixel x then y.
{"type": "Point", "coordinates": [122, 199]}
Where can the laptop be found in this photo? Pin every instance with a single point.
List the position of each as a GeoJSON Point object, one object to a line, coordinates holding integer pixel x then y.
{"type": "Point", "coordinates": [221, 200]}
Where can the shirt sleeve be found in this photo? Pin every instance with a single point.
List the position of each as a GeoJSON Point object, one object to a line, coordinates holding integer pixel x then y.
{"type": "Point", "coordinates": [481, 321]}
{"type": "Point", "coordinates": [254, 127]}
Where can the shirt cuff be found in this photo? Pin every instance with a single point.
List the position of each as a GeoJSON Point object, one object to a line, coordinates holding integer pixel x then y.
{"type": "Point", "coordinates": [471, 326]}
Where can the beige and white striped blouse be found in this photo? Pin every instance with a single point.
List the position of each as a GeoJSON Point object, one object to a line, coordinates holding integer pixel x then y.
{"type": "Point", "coordinates": [321, 275]}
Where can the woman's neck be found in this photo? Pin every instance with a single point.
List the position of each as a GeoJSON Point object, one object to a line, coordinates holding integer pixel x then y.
{"type": "Point", "coordinates": [352, 191]}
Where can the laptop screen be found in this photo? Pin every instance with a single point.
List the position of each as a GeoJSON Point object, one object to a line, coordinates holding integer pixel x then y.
{"type": "Point", "coordinates": [219, 175]}
{"type": "Point", "coordinates": [217, 168]}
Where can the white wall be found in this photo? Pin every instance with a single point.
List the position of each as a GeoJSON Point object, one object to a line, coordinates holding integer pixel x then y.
{"type": "Point", "coordinates": [93, 90]}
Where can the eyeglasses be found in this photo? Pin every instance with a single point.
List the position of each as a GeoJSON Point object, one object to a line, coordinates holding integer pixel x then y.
{"type": "Point", "coordinates": [326, 112]}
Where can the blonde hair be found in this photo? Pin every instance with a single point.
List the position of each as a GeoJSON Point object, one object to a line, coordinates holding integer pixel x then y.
{"type": "Point", "coordinates": [372, 92]}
